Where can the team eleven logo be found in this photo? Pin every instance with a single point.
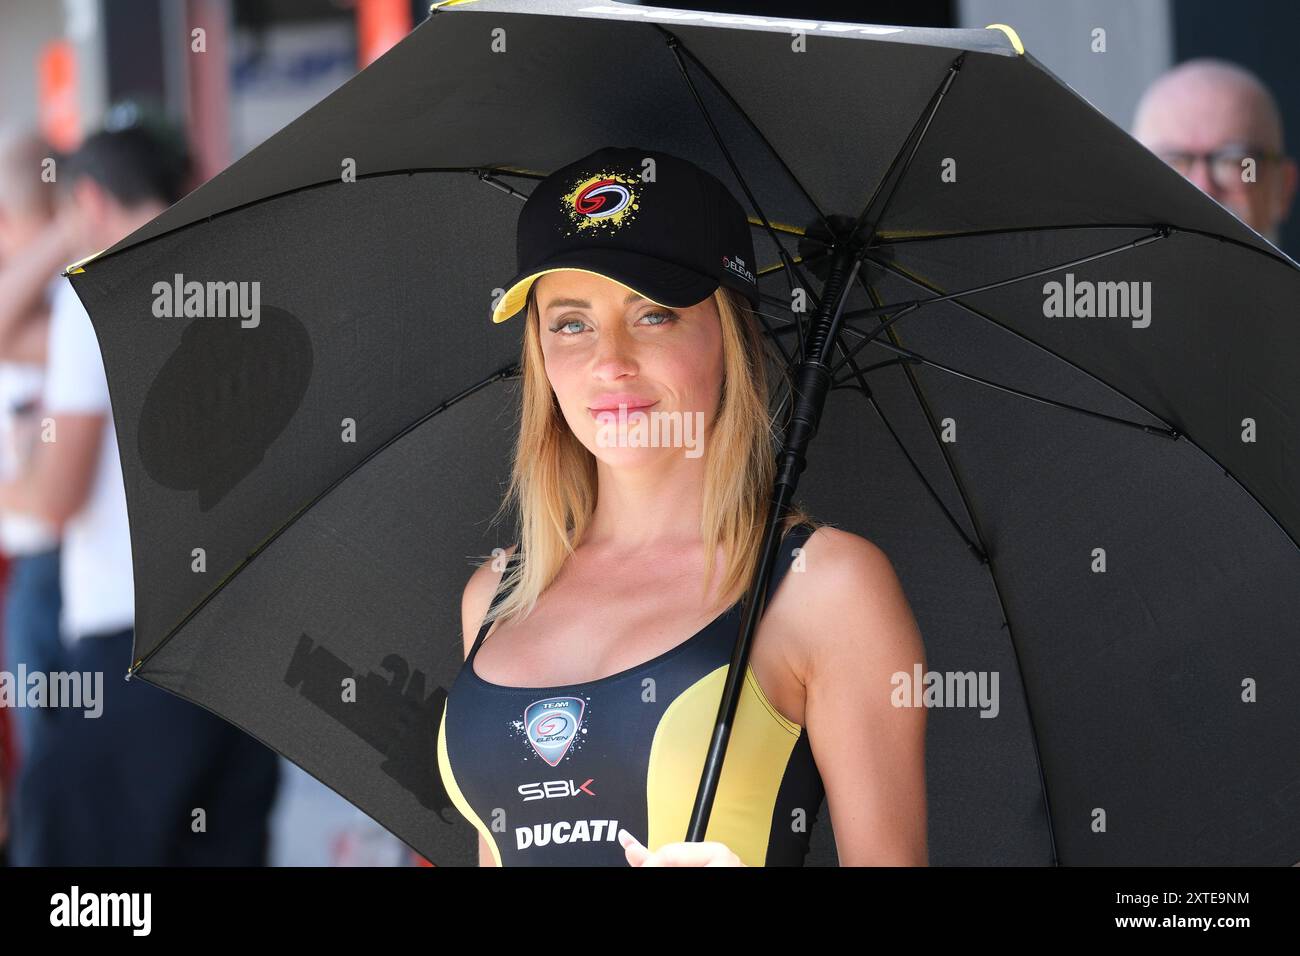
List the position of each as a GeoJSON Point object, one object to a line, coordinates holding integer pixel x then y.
{"type": "Point", "coordinates": [553, 726]}
{"type": "Point", "coordinates": [604, 202]}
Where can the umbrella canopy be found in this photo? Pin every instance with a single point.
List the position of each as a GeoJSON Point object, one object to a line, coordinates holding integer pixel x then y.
{"type": "Point", "coordinates": [1089, 490]}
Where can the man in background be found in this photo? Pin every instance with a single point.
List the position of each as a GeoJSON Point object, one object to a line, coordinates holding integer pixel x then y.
{"type": "Point", "coordinates": [153, 779]}
{"type": "Point", "coordinates": [1206, 118]}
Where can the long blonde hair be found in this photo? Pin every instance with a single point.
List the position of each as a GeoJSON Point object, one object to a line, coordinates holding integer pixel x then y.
{"type": "Point", "coordinates": [553, 480]}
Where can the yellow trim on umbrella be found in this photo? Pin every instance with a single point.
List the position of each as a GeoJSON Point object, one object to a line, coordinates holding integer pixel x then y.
{"type": "Point", "coordinates": [77, 267]}
{"type": "Point", "coordinates": [1011, 35]}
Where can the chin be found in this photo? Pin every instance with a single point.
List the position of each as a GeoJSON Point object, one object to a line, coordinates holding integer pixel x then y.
{"type": "Point", "coordinates": [630, 458]}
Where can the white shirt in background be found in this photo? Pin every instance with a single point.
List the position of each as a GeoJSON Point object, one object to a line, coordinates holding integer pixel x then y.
{"type": "Point", "coordinates": [95, 564]}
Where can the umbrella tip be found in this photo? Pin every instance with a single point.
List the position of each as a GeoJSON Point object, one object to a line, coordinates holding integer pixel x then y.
{"type": "Point", "coordinates": [74, 268]}
{"type": "Point", "coordinates": [1011, 35]}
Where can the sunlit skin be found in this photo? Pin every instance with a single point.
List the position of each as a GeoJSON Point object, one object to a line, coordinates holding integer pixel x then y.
{"type": "Point", "coordinates": [1202, 105]}
{"type": "Point", "coordinates": [620, 343]}
{"type": "Point", "coordinates": [599, 338]}
{"type": "Point", "coordinates": [624, 595]}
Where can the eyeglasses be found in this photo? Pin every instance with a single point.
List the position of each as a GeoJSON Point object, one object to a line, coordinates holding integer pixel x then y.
{"type": "Point", "coordinates": [1224, 164]}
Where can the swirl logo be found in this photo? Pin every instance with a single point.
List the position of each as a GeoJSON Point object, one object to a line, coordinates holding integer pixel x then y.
{"type": "Point", "coordinates": [606, 200]}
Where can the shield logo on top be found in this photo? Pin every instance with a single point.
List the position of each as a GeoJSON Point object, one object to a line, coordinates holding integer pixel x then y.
{"type": "Point", "coordinates": [552, 725]}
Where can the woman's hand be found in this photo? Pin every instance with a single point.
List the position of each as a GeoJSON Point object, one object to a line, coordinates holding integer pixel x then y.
{"type": "Point", "coordinates": [708, 853]}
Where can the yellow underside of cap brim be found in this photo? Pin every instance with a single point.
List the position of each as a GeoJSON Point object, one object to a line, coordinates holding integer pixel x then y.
{"type": "Point", "coordinates": [517, 295]}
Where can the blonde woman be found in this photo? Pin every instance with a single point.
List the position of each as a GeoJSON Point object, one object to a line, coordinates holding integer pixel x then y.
{"type": "Point", "coordinates": [575, 733]}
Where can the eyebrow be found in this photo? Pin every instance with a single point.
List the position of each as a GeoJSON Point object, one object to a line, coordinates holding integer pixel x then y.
{"type": "Point", "coordinates": [584, 304]}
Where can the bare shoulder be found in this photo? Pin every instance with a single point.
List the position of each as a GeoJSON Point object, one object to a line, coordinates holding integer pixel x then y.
{"type": "Point", "coordinates": [477, 597]}
{"type": "Point", "coordinates": [838, 563]}
{"type": "Point", "coordinates": [848, 578]}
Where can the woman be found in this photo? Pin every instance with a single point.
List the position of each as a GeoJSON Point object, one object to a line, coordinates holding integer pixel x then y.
{"type": "Point", "coordinates": [577, 734]}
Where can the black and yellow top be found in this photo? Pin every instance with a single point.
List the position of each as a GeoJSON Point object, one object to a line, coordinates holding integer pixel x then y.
{"type": "Point", "coordinates": [548, 775]}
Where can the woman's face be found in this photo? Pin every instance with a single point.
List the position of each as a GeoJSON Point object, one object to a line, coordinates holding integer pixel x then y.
{"type": "Point", "coordinates": [604, 345]}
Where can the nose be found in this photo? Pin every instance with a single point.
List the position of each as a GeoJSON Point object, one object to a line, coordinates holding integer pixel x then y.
{"type": "Point", "coordinates": [614, 353]}
{"type": "Point", "coordinates": [1199, 175]}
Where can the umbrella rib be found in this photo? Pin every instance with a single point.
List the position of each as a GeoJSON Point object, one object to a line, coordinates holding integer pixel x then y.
{"type": "Point", "coordinates": [794, 275]}
{"type": "Point", "coordinates": [916, 358]}
{"type": "Point", "coordinates": [773, 334]}
{"type": "Point", "coordinates": [292, 191]}
{"type": "Point", "coordinates": [679, 49]}
{"type": "Point", "coordinates": [906, 308]}
{"type": "Point", "coordinates": [987, 560]}
{"type": "Point", "coordinates": [506, 188]}
{"type": "Point", "coordinates": [1015, 230]}
{"type": "Point", "coordinates": [865, 389]}
{"type": "Point", "coordinates": [509, 371]}
{"type": "Point", "coordinates": [916, 280]}
{"type": "Point", "coordinates": [914, 136]}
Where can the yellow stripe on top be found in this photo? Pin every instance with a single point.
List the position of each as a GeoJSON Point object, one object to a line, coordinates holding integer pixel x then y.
{"type": "Point", "coordinates": [1011, 35]}
{"type": "Point", "coordinates": [757, 756]}
{"type": "Point", "coordinates": [453, 791]}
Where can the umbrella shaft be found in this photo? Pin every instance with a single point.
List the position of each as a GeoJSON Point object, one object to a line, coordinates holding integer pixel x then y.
{"type": "Point", "coordinates": [811, 385]}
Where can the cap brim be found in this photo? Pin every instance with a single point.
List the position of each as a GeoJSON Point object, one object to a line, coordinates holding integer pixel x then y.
{"type": "Point", "coordinates": [663, 283]}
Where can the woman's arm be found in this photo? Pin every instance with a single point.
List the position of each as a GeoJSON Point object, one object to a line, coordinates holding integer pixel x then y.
{"type": "Point", "coordinates": [474, 603]}
{"type": "Point", "coordinates": [859, 631]}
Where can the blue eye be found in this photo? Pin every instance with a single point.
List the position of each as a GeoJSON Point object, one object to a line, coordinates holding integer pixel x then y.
{"type": "Point", "coordinates": [666, 316]}
{"type": "Point", "coordinates": [560, 325]}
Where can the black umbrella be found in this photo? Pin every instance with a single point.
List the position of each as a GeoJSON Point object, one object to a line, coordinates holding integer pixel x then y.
{"type": "Point", "coordinates": [1088, 489]}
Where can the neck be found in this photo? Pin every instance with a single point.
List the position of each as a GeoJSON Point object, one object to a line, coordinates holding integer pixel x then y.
{"type": "Point", "coordinates": [655, 503]}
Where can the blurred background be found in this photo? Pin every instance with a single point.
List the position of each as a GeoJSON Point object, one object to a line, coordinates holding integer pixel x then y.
{"type": "Point", "coordinates": [227, 74]}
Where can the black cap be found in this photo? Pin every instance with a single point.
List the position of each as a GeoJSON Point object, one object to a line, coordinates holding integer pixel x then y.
{"type": "Point", "coordinates": [672, 238]}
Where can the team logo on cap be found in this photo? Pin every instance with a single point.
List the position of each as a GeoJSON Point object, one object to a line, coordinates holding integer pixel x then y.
{"type": "Point", "coordinates": [552, 725]}
{"type": "Point", "coordinates": [736, 266]}
{"type": "Point", "coordinates": [606, 201]}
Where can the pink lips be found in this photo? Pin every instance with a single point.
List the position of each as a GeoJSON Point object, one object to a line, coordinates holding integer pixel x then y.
{"type": "Point", "coordinates": [610, 403]}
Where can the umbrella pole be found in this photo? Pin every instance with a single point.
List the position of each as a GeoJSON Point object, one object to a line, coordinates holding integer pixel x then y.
{"type": "Point", "coordinates": [812, 382]}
